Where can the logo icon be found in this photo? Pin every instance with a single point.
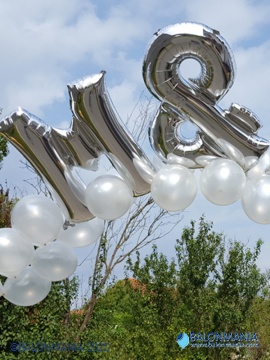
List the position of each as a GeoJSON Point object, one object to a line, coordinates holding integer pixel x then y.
{"type": "Point", "coordinates": [182, 340]}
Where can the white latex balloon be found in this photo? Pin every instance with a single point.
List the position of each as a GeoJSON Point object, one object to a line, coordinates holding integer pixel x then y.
{"type": "Point", "coordinates": [174, 187]}
{"type": "Point", "coordinates": [55, 261]}
{"type": "Point", "coordinates": [222, 181]}
{"type": "Point", "coordinates": [146, 172]}
{"type": "Point", "coordinates": [256, 199]}
{"type": "Point", "coordinates": [205, 159]}
{"type": "Point", "coordinates": [231, 151]}
{"type": "Point", "coordinates": [15, 252]}
{"type": "Point", "coordinates": [1, 289]}
{"type": "Point", "coordinates": [82, 234]}
{"type": "Point", "coordinates": [37, 218]}
{"type": "Point", "coordinates": [108, 197]}
{"type": "Point", "coordinates": [250, 161]}
{"type": "Point", "coordinates": [173, 159]}
{"type": "Point", "coordinates": [27, 289]}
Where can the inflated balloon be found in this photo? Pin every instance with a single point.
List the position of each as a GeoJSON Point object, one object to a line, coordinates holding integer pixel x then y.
{"type": "Point", "coordinates": [250, 162]}
{"type": "Point", "coordinates": [174, 187]}
{"type": "Point", "coordinates": [224, 145]}
{"type": "Point", "coordinates": [27, 289]}
{"type": "Point", "coordinates": [108, 197]}
{"type": "Point", "coordinates": [205, 159]}
{"type": "Point", "coordinates": [256, 199]}
{"type": "Point", "coordinates": [95, 130]}
{"type": "Point", "coordinates": [222, 182]}
{"type": "Point", "coordinates": [37, 218]}
{"type": "Point", "coordinates": [145, 171]}
{"type": "Point", "coordinates": [1, 289]}
{"type": "Point", "coordinates": [232, 152]}
{"type": "Point", "coordinates": [196, 99]}
{"type": "Point", "coordinates": [15, 252]}
{"type": "Point", "coordinates": [82, 234]}
{"type": "Point", "coordinates": [180, 160]}
{"type": "Point", "coordinates": [260, 166]}
{"type": "Point", "coordinates": [56, 261]}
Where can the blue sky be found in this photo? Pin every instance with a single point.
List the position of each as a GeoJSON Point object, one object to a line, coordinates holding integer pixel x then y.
{"type": "Point", "coordinates": [47, 44]}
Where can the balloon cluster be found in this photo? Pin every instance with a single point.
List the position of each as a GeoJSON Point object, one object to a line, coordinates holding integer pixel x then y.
{"type": "Point", "coordinates": [223, 181]}
{"type": "Point", "coordinates": [234, 160]}
{"type": "Point", "coordinates": [38, 250]}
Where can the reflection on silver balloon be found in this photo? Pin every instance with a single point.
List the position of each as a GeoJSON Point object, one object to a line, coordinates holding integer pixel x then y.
{"type": "Point", "coordinates": [27, 289]}
{"type": "Point", "coordinates": [95, 130]}
{"type": "Point", "coordinates": [196, 99]}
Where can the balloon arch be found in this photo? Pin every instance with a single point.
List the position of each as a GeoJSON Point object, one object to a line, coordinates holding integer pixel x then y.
{"type": "Point", "coordinates": [234, 159]}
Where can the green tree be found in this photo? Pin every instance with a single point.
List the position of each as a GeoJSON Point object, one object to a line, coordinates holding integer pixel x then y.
{"type": "Point", "coordinates": [141, 316]}
{"type": "Point", "coordinates": [3, 146]}
{"type": "Point", "coordinates": [3, 149]}
{"type": "Point", "coordinates": [50, 321]}
{"type": "Point", "coordinates": [6, 205]}
{"type": "Point", "coordinates": [227, 275]}
{"type": "Point", "coordinates": [259, 318]}
{"type": "Point", "coordinates": [207, 287]}
{"type": "Point", "coordinates": [145, 223]}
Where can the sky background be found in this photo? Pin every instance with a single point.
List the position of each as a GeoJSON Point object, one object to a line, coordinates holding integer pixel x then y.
{"type": "Point", "coordinates": [47, 44]}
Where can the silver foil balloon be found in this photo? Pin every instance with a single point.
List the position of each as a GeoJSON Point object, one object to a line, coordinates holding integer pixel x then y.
{"type": "Point", "coordinates": [196, 99]}
{"type": "Point", "coordinates": [95, 130]}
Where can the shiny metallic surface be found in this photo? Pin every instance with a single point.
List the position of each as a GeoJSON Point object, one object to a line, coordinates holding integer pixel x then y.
{"type": "Point", "coordinates": [95, 130]}
{"type": "Point", "coordinates": [195, 99]}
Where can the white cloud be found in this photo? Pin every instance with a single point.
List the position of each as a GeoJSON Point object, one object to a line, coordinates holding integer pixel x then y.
{"type": "Point", "coordinates": [41, 42]}
{"type": "Point", "coordinates": [251, 86]}
{"type": "Point", "coordinates": [236, 20]}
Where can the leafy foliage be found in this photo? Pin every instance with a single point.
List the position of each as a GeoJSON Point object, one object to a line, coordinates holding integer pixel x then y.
{"type": "Point", "coordinates": [6, 205]}
{"type": "Point", "coordinates": [143, 224]}
{"type": "Point", "coordinates": [208, 286]}
{"type": "Point", "coordinates": [3, 149]}
{"type": "Point", "coordinates": [47, 322]}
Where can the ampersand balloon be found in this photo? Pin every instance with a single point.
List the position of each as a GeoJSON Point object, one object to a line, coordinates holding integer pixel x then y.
{"type": "Point", "coordinates": [196, 99]}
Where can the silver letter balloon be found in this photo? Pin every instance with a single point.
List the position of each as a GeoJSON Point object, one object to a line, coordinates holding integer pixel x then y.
{"type": "Point", "coordinates": [234, 160]}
